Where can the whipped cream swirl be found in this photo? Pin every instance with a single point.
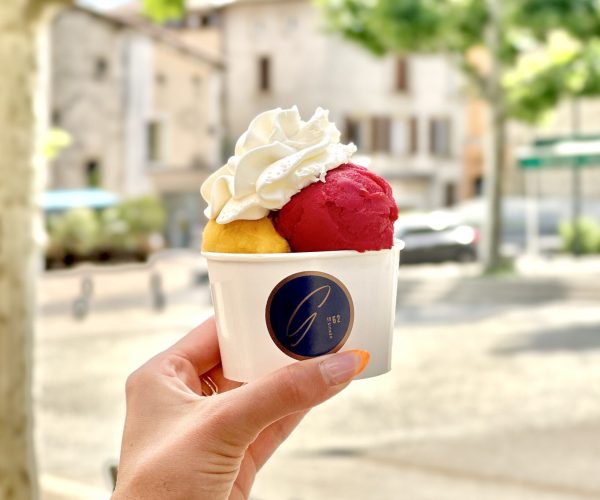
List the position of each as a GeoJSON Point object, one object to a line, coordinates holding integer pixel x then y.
{"type": "Point", "coordinates": [274, 159]}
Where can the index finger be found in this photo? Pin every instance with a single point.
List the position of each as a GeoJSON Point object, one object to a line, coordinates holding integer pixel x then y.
{"type": "Point", "coordinates": [200, 347]}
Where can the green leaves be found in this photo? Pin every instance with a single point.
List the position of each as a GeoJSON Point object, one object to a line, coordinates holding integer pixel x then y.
{"type": "Point", "coordinates": [54, 141]}
{"type": "Point", "coordinates": [550, 49]}
{"type": "Point", "coordinates": [161, 11]}
{"type": "Point", "coordinates": [588, 233]}
{"type": "Point", "coordinates": [580, 18]}
{"type": "Point", "coordinates": [74, 232]}
{"type": "Point", "coordinates": [563, 67]}
{"type": "Point", "coordinates": [142, 215]}
{"type": "Point", "coordinates": [407, 25]}
{"type": "Point", "coordinates": [354, 20]}
{"type": "Point", "coordinates": [126, 227]}
{"type": "Point", "coordinates": [411, 25]}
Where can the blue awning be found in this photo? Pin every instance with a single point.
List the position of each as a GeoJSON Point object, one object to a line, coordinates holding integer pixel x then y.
{"type": "Point", "coordinates": [65, 199]}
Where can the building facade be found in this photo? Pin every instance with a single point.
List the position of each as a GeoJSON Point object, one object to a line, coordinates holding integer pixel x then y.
{"type": "Point", "coordinates": [143, 111]}
{"type": "Point", "coordinates": [406, 115]}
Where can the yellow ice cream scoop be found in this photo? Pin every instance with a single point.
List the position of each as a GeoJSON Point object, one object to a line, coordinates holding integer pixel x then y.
{"type": "Point", "coordinates": [243, 236]}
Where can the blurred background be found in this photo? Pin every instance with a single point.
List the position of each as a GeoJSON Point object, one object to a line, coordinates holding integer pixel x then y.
{"type": "Point", "coordinates": [495, 387]}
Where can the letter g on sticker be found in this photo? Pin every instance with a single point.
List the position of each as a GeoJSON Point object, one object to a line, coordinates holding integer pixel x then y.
{"type": "Point", "coordinates": [309, 314]}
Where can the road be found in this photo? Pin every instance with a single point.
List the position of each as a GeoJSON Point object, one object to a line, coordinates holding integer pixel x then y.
{"type": "Point", "coordinates": [494, 391]}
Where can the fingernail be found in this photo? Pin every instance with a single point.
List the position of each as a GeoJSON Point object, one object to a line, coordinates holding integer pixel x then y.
{"type": "Point", "coordinates": [344, 366]}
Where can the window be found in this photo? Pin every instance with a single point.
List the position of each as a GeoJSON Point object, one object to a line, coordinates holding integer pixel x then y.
{"type": "Point", "coordinates": [439, 137]}
{"type": "Point", "coordinates": [161, 79]}
{"type": "Point", "coordinates": [380, 134]}
{"type": "Point", "coordinates": [478, 186]}
{"type": "Point", "coordinates": [400, 137]}
{"type": "Point", "coordinates": [414, 135]}
{"type": "Point", "coordinates": [100, 68]}
{"type": "Point", "coordinates": [401, 77]}
{"type": "Point", "coordinates": [209, 20]}
{"type": "Point", "coordinates": [193, 21]}
{"type": "Point", "coordinates": [92, 173]}
{"type": "Point", "coordinates": [264, 73]}
{"type": "Point", "coordinates": [353, 132]}
{"type": "Point", "coordinates": [154, 151]}
{"type": "Point", "coordinates": [449, 194]}
{"type": "Point", "coordinates": [56, 118]}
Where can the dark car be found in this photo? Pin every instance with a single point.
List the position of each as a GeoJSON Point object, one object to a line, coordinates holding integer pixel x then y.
{"type": "Point", "coordinates": [427, 243]}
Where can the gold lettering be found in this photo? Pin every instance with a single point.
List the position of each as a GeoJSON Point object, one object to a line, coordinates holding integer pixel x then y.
{"type": "Point", "coordinates": [304, 328]}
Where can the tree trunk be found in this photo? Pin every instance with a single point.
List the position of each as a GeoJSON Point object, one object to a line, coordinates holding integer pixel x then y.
{"type": "Point", "coordinates": [17, 250]}
{"type": "Point", "coordinates": [20, 170]}
{"type": "Point", "coordinates": [496, 154]}
{"type": "Point", "coordinates": [492, 258]}
{"type": "Point", "coordinates": [576, 180]}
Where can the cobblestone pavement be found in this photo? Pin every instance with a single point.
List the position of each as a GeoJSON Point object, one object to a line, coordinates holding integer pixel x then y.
{"type": "Point", "coordinates": [494, 392]}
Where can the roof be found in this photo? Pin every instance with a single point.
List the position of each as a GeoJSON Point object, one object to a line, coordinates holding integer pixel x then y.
{"type": "Point", "coordinates": [66, 199]}
{"type": "Point", "coordinates": [155, 32]}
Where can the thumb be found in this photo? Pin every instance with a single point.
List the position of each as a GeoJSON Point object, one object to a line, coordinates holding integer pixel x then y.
{"type": "Point", "coordinates": [291, 389]}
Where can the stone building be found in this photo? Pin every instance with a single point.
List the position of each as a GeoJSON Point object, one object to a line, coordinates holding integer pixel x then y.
{"type": "Point", "coordinates": [410, 117]}
{"type": "Point", "coordinates": [406, 115]}
{"type": "Point", "coordinates": [143, 109]}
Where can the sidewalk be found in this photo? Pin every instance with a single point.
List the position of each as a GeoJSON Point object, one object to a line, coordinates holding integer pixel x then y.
{"type": "Point", "coordinates": [503, 407]}
{"type": "Point", "coordinates": [527, 465]}
{"type": "Point", "coordinates": [536, 281]}
{"type": "Point", "coordinates": [487, 398]}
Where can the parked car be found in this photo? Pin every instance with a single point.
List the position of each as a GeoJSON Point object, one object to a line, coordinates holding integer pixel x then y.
{"type": "Point", "coordinates": [433, 239]}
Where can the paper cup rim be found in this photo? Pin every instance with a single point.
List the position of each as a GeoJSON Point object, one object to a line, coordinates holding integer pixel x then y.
{"type": "Point", "coordinates": [293, 256]}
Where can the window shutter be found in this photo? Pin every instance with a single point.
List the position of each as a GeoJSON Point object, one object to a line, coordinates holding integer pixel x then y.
{"type": "Point", "coordinates": [381, 130]}
{"type": "Point", "coordinates": [401, 74]}
{"type": "Point", "coordinates": [374, 136]}
{"type": "Point", "coordinates": [414, 135]}
{"type": "Point", "coordinates": [264, 74]}
{"type": "Point", "coordinates": [448, 138]}
{"type": "Point", "coordinates": [433, 130]}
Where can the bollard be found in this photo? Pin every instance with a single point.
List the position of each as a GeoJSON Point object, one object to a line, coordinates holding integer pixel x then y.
{"type": "Point", "coordinates": [81, 305]}
{"type": "Point", "coordinates": [159, 299]}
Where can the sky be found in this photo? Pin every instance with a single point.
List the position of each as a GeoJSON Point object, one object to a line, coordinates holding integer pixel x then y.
{"type": "Point", "coordinates": [103, 4]}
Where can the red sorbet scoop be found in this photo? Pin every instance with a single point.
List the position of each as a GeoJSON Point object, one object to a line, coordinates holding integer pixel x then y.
{"type": "Point", "coordinates": [352, 210]}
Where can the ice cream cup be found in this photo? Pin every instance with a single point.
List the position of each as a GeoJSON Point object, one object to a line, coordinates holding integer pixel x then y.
{"type": "Point", "coordinates": [274, 309]}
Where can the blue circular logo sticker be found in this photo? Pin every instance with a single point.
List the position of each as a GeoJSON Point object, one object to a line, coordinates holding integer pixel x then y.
{"type": "Point", "coordinates": [309, 314]}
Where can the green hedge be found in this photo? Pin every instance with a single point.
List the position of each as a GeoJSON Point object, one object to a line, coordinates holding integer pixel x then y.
{"type": "Point", "coordinates": [126, 227]}
{"type": "Point", "coordinates": [589, 235]}
{"type": "Point", "coordinates": [75, 232]}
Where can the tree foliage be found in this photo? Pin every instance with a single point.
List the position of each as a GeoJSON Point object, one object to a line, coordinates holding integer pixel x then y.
{"type": "Point", "coordinates": [589, 235]}
{"type": "Point", "coordinates": [143, 215]}
{"type": "Point", "coordinates": [549, 49]}
{"type": "Point", "coordinates": [161, 11]}
{"type": "Point", "coordinates": [76, 232]}
{"type": "Point", "coordinates": [54, 141]}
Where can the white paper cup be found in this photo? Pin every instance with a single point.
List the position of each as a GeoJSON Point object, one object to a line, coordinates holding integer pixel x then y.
{"type": "Point", "coordinates": [274, 309]}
